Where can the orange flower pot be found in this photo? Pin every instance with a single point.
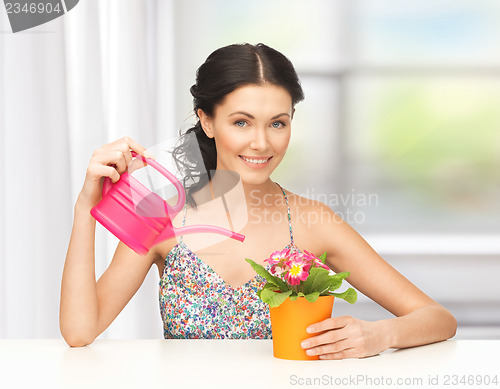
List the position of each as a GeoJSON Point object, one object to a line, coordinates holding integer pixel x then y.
{"type": "Point", "coordinates": [289, 322]}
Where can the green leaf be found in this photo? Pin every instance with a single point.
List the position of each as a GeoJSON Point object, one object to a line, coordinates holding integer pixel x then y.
{"type": "Point", "coordinates": [322, 257]}
{"type": "Point", "coordinates": [337, 279]}
{"type": "Point", "coordinates": [317, 281]}
{"type": "Point", "coordinates": [349, 295]}
{"type": "Point", "coordinates": [274, 299]}
{"type": "Point", "coordinates": [268, 286]}
{"type": "Point", "coordinates": [312, 297]}
{"type": "Point", "coordinates": [262, 271]}
{"type": "Point", "coordinates": [271, 286]}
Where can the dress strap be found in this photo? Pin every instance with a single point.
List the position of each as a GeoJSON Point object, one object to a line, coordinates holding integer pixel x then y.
{"type": "Point", "coordinates": [289, 215]}
{"type": "Point", "coordinates": [183, 221]}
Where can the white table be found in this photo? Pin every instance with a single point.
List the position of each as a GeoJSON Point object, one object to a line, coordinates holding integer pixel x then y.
{"type": "Point", "coordinates": [236, 364]}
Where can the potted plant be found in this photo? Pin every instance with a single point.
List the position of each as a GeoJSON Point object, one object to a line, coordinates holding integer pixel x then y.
{"type": "Point", "coordinates": [300, 291]}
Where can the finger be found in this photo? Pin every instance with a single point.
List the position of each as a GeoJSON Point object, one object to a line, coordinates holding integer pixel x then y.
{"type": "Point", "coordinates": [109, 157]}
{"type": "Point", "coordinates": [136, 164]}
{"type": "Point", "coordinates": [330, 348]}
{"type": "Point", "coordinates": [329, 324]}
{"type": "Point", "coordinates": [139, 149]}
{"type": "Point", "coordinates": [327, 337]}
{"type": "Point", "coordinates": [119, 159]}
{"type": "Point", "coordinates": [126, 145]}
{"type": "Point", "coordinates": [98, 171]}
{"type": "Point", "coordinates": [123, 147]}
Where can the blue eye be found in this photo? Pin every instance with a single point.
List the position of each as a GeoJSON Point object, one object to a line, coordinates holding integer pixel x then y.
{"type": "Point", "coordinates": [278, 124]}
{"type": "Point", "coordinates": [240, 123]}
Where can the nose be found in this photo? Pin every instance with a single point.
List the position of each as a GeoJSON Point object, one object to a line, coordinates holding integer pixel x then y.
{"type": "Point", "coordinates": [259, 139]}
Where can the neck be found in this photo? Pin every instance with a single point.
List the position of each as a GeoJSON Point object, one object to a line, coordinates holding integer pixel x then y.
{"type": "Point", "coordinates": [223, 181]}
{"type": "Point", "coordinates": [259, 191]}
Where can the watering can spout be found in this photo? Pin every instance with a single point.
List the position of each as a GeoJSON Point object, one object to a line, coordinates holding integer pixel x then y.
{"type": "Point", "coordinates": [169, 233]}
{"type": "Point", "coordinates": [213, 229]}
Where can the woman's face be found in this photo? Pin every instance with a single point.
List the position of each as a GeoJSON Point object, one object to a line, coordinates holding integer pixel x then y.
{"type": "Point", "coordinates": [252, 128]}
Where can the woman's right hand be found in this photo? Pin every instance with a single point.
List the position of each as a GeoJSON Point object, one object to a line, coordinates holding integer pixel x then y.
{"type": "Point", "coordinates": [111, 160]}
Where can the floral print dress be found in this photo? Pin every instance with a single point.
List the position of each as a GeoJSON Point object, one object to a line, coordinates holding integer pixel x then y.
{"type": "Point", "coordinates": [196, 303]}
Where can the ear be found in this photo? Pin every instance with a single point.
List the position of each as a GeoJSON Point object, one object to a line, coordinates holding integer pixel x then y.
{"type": "Point", "coordinates": [206, 123]}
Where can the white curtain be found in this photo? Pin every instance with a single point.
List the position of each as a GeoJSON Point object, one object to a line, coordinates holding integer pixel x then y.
{"type": "Point", "coordinates": [100, 72]}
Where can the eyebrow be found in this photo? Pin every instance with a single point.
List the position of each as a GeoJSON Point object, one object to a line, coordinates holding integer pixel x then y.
{"type": "Point", "coordinates": [252, 117]}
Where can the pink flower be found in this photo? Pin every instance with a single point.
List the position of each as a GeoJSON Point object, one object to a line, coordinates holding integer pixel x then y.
{"type": "Point", "coordinates": [278, 260]}
{"type": "Point", "coordinates": [314, 260]}
{"type": "Point", "coordinates": [298, 270]}
{"type": "Point", "coordinates": [278, 257]}
{"type": "Point", "coordinates": [292, 265]}
{"type": "Point", "coordinates": [277, 270]}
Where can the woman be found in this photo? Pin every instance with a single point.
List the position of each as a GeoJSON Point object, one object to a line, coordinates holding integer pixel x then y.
{"type": "Point", "coordinates": [244, 99]}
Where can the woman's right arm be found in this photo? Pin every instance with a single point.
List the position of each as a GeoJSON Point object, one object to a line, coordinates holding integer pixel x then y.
{"type": "Point", "coordinates": [88, 307]}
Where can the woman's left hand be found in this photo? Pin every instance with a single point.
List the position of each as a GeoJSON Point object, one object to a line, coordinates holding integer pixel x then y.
{"type": "Point", "coordinates": [346, 337]}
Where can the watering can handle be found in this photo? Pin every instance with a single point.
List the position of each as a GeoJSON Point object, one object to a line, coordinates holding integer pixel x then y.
{"type": "Point", "coordinates": [181, 195]}
{"type": "Point", "coordinates": [181, 199]}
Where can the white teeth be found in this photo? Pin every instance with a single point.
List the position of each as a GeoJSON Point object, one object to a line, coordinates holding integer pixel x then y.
{"type": "Point", "coordinates": [255, 160]}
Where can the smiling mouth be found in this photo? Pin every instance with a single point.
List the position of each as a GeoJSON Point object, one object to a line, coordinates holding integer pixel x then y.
{"type": "Point", "coordinates": [255, 160]}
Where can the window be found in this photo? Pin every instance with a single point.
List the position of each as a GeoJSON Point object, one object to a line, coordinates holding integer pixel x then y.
{"type": "Point", "coordinates": [400, 126]}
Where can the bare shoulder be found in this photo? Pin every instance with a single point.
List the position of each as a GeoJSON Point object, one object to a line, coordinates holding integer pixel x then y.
{"type": "Point", "coordinates": [312, 212]}
{"type": "Point", "coordinates": [318, 229]}
{"type": "Point", "coordinates": [305, 204]}
{"type": "Point", "coordinates": [313, 222]}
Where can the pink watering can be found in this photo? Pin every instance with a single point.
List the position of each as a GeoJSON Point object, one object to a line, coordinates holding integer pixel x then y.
{"type": "Point", "coordinates": [148, 223]}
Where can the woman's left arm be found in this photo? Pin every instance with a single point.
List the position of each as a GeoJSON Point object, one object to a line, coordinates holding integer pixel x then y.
{"type": "Point", "coordinates": [419, 319]}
